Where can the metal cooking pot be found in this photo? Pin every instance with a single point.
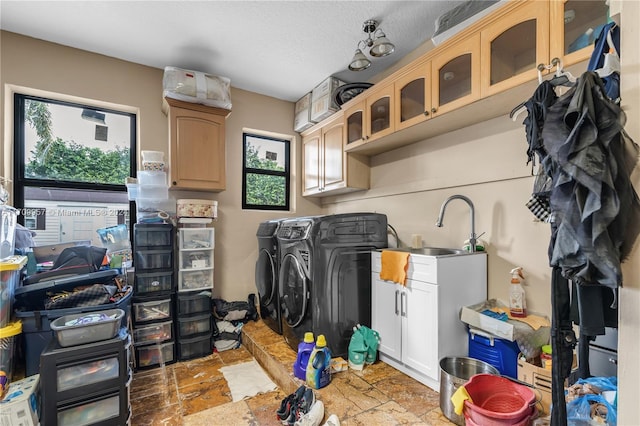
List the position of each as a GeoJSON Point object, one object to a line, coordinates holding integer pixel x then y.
{"type": "Point", "coordinates": [454, 372]}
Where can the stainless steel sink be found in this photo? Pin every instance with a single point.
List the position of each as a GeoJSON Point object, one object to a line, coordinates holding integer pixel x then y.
{"type": "Point", "coordinates": [432, 251]}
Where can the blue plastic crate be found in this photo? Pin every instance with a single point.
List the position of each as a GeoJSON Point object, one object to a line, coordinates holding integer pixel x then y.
{"type": "Point", "coordinates": [500, 353]}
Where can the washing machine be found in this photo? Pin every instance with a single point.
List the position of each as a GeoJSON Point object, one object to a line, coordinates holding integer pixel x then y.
{"type": "Point", "coordinates": [295, 244]}
{"type": "Point", "coordinates": [341, 296]}
{"type": "Point", "coordinates": [266, 274]}
{"type": "Point", "coordinates": [325, 275]}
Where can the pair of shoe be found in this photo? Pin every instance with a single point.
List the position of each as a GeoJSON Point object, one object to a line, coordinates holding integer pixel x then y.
{"type": "Point", "coordinates": [296, 405]}
{"type": "Point", "coordinates": [333, 420]}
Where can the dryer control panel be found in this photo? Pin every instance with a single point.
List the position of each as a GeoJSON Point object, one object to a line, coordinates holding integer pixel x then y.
{"type": "Point", "coordinates": [294, 231]}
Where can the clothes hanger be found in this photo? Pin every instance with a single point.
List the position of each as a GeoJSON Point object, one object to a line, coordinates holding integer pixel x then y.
{"type": "Point", "coordinates": [611, 62]}
{"type": "Point", "coordinates": [513, 115]}
{"type": "Point", "coordinates": [561, 77]}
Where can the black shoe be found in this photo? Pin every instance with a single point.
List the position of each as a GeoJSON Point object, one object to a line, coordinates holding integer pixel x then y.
{"type": "Point", "coordinates": [287, 411]}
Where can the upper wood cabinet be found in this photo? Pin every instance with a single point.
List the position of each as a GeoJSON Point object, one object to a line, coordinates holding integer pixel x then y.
{"type": "Point", "coordinates": [413, 96]}
{"type": "Point", "coordinates": [513, 46]}
{"type": "Point", "coordinates": [456, 76]}
{"type": "Point", "coordinates": [327, 168]}
{"type": "Point", "coordinates": [574, 26]}
{"type": "Point", "coordinates": [370, 119]}
{"type": "Point", "coordinates": [197, 146]}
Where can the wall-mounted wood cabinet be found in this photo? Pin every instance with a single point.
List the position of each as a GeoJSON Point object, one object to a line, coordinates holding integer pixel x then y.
{"type": "Point", "coordinates": [197, 146]}
{"type": "Point", "coordinates": [327, 168]}
{"type": "Point", "coordinates": [479, 74]}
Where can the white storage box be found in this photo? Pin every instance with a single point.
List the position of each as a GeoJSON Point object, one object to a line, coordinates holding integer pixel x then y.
{"type": "Point", "coordinates": [322, 103]}
{"type": "Point", "coordinates": [302, 116]}
{"type": "Point", "coordinates": [20, 404]}
{"type": "Point", "coordinates": [197, 208]}
{"type": "Point", "coordinates": [80, 329]}
{"type": "Point", "coordinates": [196, 87]}
{"type": "Point", "coordinates": [154, 192]}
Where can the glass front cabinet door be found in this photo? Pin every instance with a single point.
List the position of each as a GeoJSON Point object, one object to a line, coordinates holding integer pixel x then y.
{"type": "Point", "coordinates": [413, 96]}
{"type": "Point", "coordinates": [456, 76]}
{"type": "Point", "coordinates": [513, 46]}
{"type": "Point", "coordinates": [575, 26]}
{"type": "Point", "coordinates": [354, 123]}
{"type": "Point", "coordinates": [378, 113]}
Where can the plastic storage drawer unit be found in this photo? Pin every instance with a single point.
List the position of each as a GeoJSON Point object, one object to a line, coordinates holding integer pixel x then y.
{"type": "Point", "coordinates": [154, 259]}
{"type": "Point", "coordinates": [146, 310]}
{"type": "Point", "coordinates": [76, 376]}
{"type": "Point", "coordinates": [194, 347]}
{"type": "Point", "coordinates": [153, 235]}
{"type": "Point", "coordinates": [152, 333]}
{"type": "Point", "coordinates": [195, 325]}
{"type": "Point", "coordinates": [194, 303]}
{"type": "Point", "coordinates": [149, 283]}
{"type": "Point", "coordinates": [150, 356]}
{"type": "Point", "coordinates": [197, 238]}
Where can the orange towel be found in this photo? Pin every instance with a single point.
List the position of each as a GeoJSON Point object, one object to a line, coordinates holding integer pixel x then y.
{"type": "Point", "coordinates": [394, 266]}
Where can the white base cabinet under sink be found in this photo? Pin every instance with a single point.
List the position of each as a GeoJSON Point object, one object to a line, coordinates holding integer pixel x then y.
{"type": "Point", "coordinates": [420, 323]}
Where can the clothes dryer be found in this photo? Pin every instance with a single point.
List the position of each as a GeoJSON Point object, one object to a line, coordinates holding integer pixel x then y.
{"type": "Point", "coordinates": [341, 293]}
{"type": "Point", "coordinates": [266, 274]}
{"type": "Point", "coordinates": [295, 279]}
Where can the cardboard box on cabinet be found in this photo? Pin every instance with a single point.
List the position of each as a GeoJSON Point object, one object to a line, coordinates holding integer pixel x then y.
{"type": "Point", "coordinates": [21, 403]}
{"type": "Point", "coordinates": [302, 115]}
{"type": "Point", "coordinates": [322, 102]}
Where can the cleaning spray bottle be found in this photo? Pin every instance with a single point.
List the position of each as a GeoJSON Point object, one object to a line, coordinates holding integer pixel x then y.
{"type": "Point", "coordinates": [517, 299]}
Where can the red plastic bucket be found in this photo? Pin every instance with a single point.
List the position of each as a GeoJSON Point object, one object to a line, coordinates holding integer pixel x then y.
{"type": "Point", "coordinates": [498, 401]}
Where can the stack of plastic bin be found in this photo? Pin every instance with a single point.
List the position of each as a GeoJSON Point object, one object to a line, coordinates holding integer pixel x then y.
{"type": "Point", "coordinates": [154, 293]}
{"type": "Point", "coordinates": [87, 384]}
{"type": "Point", "coordinates": [196, 244]}
{"type": "Point", "coordinates": [151, 193]}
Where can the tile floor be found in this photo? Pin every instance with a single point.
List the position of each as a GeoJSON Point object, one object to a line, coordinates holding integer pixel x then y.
{"type": "Point", "coordinates": [195, 393]}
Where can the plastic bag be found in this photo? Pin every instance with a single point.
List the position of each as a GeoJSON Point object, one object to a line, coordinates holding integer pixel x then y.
{"type": "Point", "coordinates": [589, 408]}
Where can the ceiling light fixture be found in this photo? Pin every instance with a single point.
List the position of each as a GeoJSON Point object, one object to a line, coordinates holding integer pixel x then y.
{"type": "Point", "coordinates": [378, 48]}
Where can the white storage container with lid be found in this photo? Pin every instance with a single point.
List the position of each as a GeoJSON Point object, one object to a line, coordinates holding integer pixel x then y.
{"type": "Point", "coordinates": [322, 102]}
{"type": "Point", "coordinates": [196, 87]}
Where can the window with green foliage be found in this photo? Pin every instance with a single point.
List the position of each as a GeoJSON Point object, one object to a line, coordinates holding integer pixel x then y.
{"type": "Point", "coordinates": [70, 165]}
{"type": "Point", "coordinates": [265, 173]}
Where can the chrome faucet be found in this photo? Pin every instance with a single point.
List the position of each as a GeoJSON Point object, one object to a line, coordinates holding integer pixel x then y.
{"type": "Point", "coordinates": [472, 238]}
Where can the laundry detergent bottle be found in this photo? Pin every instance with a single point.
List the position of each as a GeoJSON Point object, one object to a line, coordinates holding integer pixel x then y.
{"type": "Point", "coordinates": [304, 352]}
{"type": "Point", "coordinates": [517, 299]}
{"type": "Point", "coordinates": [319, 366]}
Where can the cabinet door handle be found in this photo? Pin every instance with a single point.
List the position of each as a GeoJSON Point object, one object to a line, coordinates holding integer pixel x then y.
{"type": "Point", "coordinates": [403, 308]}
{"type": "Point", "coordinates": [366, 137]}
{"type": "Point", "coordinates": [433, 110]}
{"type": "Point", "coordinates": [397, 302]}
{"type": "Point", "coordinates": [426, 113]}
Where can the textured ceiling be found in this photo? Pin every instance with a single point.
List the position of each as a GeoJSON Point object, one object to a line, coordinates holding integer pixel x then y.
{"type": "Point", "coordinates": [277, 48]}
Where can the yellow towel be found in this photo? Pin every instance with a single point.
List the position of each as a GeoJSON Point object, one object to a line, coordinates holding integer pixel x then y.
{"type": "Point", "coordinates": [458, 398]}
{"type": "Point", "coordinates": [394, 266]}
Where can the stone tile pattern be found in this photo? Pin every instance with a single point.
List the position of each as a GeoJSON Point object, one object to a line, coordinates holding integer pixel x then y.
{"type": "Point", "coordinates": [195, 393]}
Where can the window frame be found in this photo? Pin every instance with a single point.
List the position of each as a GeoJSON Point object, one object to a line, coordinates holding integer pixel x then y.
{"type": "Point", "coordinates": [19, 158]}
{"type": "Point", "coordinates": [249, 170]}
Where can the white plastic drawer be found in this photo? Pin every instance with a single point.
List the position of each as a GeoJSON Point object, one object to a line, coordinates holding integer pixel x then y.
{"type": "Point", "coordinates": [196, 238]}
{"type": "Point", "coordinates": [196, 259]}
{"type": "Point", "coordinates": [195, 280]}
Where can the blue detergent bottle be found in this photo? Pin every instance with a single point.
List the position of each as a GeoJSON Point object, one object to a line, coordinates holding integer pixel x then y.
{"type": "Point", "coordinates": [319, 366]}
{"type": "Point", "coordinates": [304, 352]}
